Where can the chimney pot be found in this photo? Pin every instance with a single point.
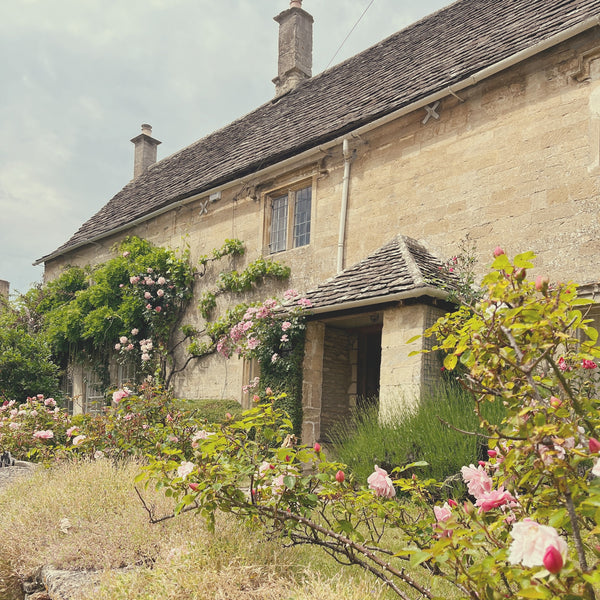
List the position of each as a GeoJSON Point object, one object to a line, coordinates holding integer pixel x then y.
{"type": "Point", "coordinates": [145, 151]}
{"type": "Point", "coordinates": [295, 48]}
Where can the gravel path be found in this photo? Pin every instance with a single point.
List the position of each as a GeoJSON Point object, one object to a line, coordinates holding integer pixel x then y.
{"type": "Point", "coordinates": [10, 474]}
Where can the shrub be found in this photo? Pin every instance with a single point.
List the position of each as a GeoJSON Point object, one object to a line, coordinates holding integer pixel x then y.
{"type": "Point", "coordinates": [212, 410]}
{"type": "Point", "coordinates": [425, 435]}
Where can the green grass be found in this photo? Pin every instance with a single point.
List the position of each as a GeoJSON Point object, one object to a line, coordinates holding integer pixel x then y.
{"type": "Point", "coordinates": [408, 437]}
{"type": "Point", "coordinates": [212, 410]}
{"type": "Point", "coordinates": [177, 559]}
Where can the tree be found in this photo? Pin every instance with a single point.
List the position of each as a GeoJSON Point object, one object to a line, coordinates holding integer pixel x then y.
{"type": "Point", "coordinates": [26, 365]}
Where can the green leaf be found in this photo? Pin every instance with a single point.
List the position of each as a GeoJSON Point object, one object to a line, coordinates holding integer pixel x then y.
{"type": "Point", "coordinates": [535, 592]}
{"type": "Point", "coordinates": [419, 557]}
{"type": "Point", "coordinates": [450, 361]}
{"type": "Point", "coordinates": [289, 481]}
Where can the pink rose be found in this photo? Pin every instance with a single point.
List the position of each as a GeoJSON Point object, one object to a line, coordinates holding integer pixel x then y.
{"type": "Point", "coordinates": [588, 364]}
{"type": "Point", "coordinates": [147, 295]}
{"type": "Point", "coordinates": [135, 331]}
{"type": "Point", "coordinates": [161, 280]}
{"type": "Point", "coordinates": [442, 513]}
{"type": "Point", "coordinates": [493, 499]}
{"type": "Point", "coordinates": [185, 469]}
{"type": "Point", "coordinates": [134, 280]}
{"type": "Point", "coordinates": [531, 541]}
{"type": "Point", "coordinates": [117, 346]}
{"type": "Point", "coordinates": [285, 325]}
{"type": "Point", "coordinates": [158, 309]}
{"type": "Point", "coordinates": [78, 439]}
{"type": "Point", "coordinates": [498, 251]}
{"type": "Point", "coordinates": [562, 364]}
{"type": "Point", "coordinates": [160, 293]}
{"type": "Point", "coordinates": [340, 476]}
{"type": "Point", "coordinates": [123, 339]}
{"type": "Point", "coordinates": [119, 395]}
{"type": "Point", "coordinates": [44, 435]}
{"type": "Point", "coordinates": [380, 482]}
{"type": "Point", "coordinates": [477, 480]}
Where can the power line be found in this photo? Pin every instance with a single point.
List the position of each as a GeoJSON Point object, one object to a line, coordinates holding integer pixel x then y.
{"type": "Point", "coordinates": [349, 34]}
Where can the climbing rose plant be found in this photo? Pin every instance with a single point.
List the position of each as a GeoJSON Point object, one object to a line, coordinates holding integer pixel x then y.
{"type": "Point", "coordinates": [529, 526]}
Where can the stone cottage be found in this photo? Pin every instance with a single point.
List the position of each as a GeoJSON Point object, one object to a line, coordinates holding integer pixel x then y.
{"type": "Point", "coordinates": [481, 119]}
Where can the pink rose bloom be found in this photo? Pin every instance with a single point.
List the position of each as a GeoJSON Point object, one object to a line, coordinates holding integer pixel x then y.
{"type": "Point", "coordinates": [145, 357]}
{"type": "Point", "coordinates": [123, 339]}
{"type": "Point", "coordinates": [290, 294]}
{"type": "Point", "coordinates": [135, 331]}
{"type": "Point", "coordinates": [44, 435]}
{"type": "Point", "coordinates": [305, 303]}
{"type": "Point", "coordinates": [252, 343]}
{"type": "Point", "coordinates": [158, 309]}
{"type": "Point", "coordinates": [78, 439]}
{"type": "Point", "coordinates": [531, 542]}
{"type": "Point", "coordinates": [588, 364]}
{"type": "Point", "coordinates": [149, 306]}
{"type": "Point", "coordinates": [117, 346]}
{"type": "Point", "coordinates": [149, 269]}
{"type": "Point", "coordinates": [160, 293]}
{"type": "Point", "coordinates": [185, 469]}
{"type": "Point", "coordinates": [147, 295]}
{"type": "Point", "coordinates": [442, 513]}
{"type": "Point", "coordinates": [275, 357]}
{"type": "Point", "coordinates": [149, 281]}
{"type": "Point", "coordinates": [161, 280]}
{"type": "Point", "coordinates": [134, 280]}
{"type": "Point", "coordinates": [562, 364]}
{"type": "Point", "coordinates": [129, 347]}
{"type": "Point", "coordinates": [284, 338]}
{"type": "Point", "coordinates": [50, 402]}
{"type": "Point", "coordinates": [380, 482]}
{"type": "Point", "coordinates": [34, 413]}
{"type": "Point", "coordinates": [14, 425]}
{"type": "Point", "coordinates": [119, 395]}
{"type": "Point", "coordinates": [477, 480]}
{"type": "Point", "coordinates": [493, 499]}
{"type": "Point", "coordinates": [70, 431]}
{"type": "Point", "coordinates": [285, 325]}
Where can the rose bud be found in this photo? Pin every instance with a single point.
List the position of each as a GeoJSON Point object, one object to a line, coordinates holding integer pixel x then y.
{"type": "Point", "coordinates": [193, 486]}
{"type": "Point", "coordinates": [541, 283]}
{"type": "Point", "coordinates": [520, 274]}
{"type": "Point", "coordinates": [553, 560]}
{"type": "Point", "coordinates": [555, 402]}
{"type": "Point", "coordinates": [317, 447]}
{"type": "Point", "coordinates": [339, 476]}
{"type": "Point", "coordinates": [492, 453]}
{"type": "Point", "coordinates": [452, 503]}
{"type": "Point", "coordinates": [498, 251]}
{"type": "Point", "coordinates": [594, 445]}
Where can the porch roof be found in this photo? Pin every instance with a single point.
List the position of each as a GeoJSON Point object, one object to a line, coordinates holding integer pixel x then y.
{"type": "Point", "coordinates": [402, 268]}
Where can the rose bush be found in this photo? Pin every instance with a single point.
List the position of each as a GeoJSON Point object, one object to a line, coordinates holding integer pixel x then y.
{"type": "Point", "coordinates": [530, 526]}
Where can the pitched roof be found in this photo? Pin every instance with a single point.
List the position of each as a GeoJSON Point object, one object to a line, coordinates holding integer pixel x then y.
{"type": "Point", "coordinates": [401, 268]}
{"type": "Point", "coordinates": [438, 51]}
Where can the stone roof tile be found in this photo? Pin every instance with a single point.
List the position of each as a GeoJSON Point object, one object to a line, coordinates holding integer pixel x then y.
{"type": "Point", "coordinates": [402, 266]}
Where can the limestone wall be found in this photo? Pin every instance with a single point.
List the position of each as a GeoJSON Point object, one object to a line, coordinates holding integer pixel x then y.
{"type": "Point", "coordinates": [514, 160]}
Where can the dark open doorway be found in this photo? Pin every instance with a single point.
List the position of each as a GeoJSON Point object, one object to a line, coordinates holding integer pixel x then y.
{"type": "Point", "coordinates": [368, 366]}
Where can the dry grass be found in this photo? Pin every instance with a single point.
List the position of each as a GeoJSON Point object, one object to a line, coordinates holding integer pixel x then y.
{"type": "Point", "coordinates": [86, 515]}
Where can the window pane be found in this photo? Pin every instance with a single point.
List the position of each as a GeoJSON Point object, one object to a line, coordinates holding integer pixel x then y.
{"type": "Point", "coordinates": [279, 217]}
{"type": "Point", "coordinates": [302, 217]}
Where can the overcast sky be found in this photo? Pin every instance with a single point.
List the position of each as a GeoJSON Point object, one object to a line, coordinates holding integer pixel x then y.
{"type": "Point", "coordinates": [79, 77]}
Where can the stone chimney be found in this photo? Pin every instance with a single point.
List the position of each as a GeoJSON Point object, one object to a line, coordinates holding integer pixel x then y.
{"type": "Point", "coordinates": [4, 288]}
{"type": "Point", "coordinates": [145, 151]}
{"type": "Point", "coordinates": [295, 48]}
